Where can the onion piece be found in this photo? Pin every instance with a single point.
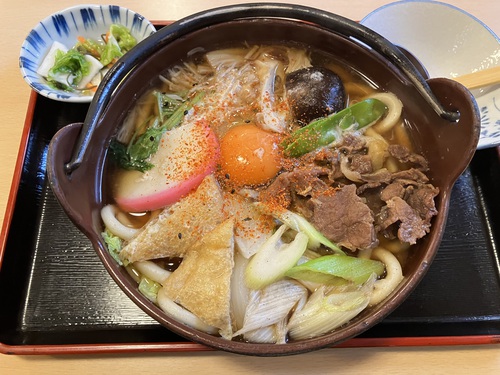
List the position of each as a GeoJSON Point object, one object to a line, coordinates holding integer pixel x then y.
{"type": "Point", "coordinates": [264, 335]}
{"type": "Point", "coordinates": [307, 256]}
{"type": "Point", "coordinates": [270, 116]}
{"type": "Point", "coordinates": [297, 59]}
{"type": "Point", "coordinates": [377, 148]}
{"type": "Point", "coordinates": [354, 176]}
{"type": "Point", "coordinates": [275, 334]}
{"type": "Point", "coordinates": [229, 56]}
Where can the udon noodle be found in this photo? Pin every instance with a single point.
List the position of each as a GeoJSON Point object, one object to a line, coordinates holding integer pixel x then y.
{"type": "Point", "coordinates": [266, 193]}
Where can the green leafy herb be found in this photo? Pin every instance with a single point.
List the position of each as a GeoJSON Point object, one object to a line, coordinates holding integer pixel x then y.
{"type": "Point", "coordinates": [181, 110]}
{"type": "Point", "coordinates": [135, 155]}
{"type": "Point", "coordinates": [167, 104]}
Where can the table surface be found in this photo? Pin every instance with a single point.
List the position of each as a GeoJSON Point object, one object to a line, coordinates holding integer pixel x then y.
{"type": "Point", "coordinates": [18, 17]}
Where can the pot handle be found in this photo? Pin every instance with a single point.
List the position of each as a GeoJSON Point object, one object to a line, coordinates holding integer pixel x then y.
{"type": "Point", "coordinates": [158, 40]}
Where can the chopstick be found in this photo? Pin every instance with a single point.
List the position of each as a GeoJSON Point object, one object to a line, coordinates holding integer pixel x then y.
{"type": "Point", "coordinates": [480, 78]}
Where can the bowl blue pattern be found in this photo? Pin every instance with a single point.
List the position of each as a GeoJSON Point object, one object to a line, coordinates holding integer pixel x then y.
{"type": "Point", "coordinates": [65, 26]}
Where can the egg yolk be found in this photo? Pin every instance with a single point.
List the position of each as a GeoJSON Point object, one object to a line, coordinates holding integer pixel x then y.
{"type": "Point", "coordinates": [249, 155]}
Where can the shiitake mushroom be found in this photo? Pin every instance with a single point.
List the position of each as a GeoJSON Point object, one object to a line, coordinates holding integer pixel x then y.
{"type": "Point", "coordinates": [314, 92]}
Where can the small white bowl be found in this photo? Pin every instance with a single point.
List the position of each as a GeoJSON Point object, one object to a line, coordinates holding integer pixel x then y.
{"type": "Point", "coordinates": [449, 42]}
{"type": "Point", "coordinates": [90, 21]}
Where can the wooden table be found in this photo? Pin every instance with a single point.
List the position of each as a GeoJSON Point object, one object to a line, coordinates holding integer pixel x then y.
{"type": "Point", "coordinates": [18, 17]}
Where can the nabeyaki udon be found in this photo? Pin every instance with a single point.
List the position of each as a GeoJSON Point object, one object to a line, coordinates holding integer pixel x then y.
{"type": "Point", "coordinates": [278, 190]}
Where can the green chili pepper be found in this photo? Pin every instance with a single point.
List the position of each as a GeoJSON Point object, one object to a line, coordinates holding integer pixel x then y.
{"type": "Point", "coordinates": [326, 130]}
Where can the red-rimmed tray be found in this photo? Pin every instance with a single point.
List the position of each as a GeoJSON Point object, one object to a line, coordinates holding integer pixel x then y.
{"type": "Point", "coordinates": [57, 297]}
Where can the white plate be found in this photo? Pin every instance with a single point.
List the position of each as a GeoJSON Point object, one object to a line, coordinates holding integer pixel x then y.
{"type": "Point", "coordinates": [449, 42]}
{"type": "Point", "coordinates": [90, 21]}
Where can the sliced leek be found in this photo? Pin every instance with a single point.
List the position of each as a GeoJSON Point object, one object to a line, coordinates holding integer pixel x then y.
{"type": "Point", "coordinates": [325, 312]}
{"type": "Point", "coordinates": [274, 258]}
{"type": "Point", "coordinates": [336, 270]}
{"type": "Point", "coordinates": [271, 305]}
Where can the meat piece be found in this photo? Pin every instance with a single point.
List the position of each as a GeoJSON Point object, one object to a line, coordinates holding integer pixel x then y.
{"type": "Point", "coordinates": [352, 144]}
{"type": "Point", "coordinates": [421, 199]}
{"type": "Point", "coordinates": [301, 181]}
{"type": "Point", "coordinates": [411, 204]}
{"type": "Point", "coordinates": [327, 158]}
{"type": "Point", "coordinates": [411, 226]}
{"type": "Point", "coordinates": [278, 193]}
{"type": "Point", "coordinates": [344, 218]}
{"type": "Point", "coordinates": [374, 180]}
{"type": "Point", "coordinates": [399, 204]}
{"type": "Point", "coordinates": [396, 189]}
{"type": "Point", "coordinates": [405, 156]}
{"type": "Point", "coordinates": [361, 164]}
{"type": "Point", "coordinates": [411, 175]}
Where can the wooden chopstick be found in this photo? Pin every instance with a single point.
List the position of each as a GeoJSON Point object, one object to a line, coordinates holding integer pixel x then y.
{"type": "Point", "coordinates": [480, 78]}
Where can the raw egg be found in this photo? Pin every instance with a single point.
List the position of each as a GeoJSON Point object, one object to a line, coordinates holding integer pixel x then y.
{"type": "Point", "coordinates": [249, 155]}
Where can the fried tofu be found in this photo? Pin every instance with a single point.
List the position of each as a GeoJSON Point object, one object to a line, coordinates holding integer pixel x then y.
{"type": "Point", "coordinates": [178, 227]}
{"type": "Point", "coordinates": [202, 283]}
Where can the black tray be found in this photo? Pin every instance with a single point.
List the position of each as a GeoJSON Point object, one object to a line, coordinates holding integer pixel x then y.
{"type": "Point", "coordinates": [57, 297]}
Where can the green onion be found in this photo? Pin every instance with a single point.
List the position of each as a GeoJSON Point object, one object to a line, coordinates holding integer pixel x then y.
{"type": "Point", "coordinates": [300, 224]}
{"type": "Point", "coordinates": [274, 258]}
{"type": "Point", "coordinates": [334, 269]}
